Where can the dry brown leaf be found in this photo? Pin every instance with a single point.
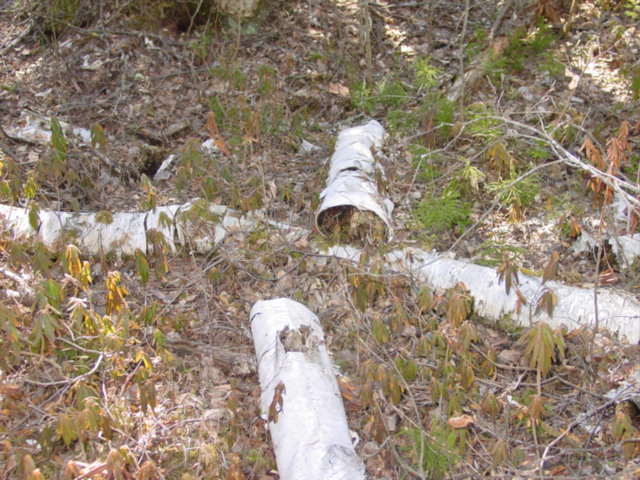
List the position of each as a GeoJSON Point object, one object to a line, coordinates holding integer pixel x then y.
{"type": "Point", "coordinates": [510, 356]}
{"type": "Point", "coordinates": [235, 470]}
{"type": "Point", "coordinates": [608, 277]}
{"type": "Point", "coordinates": [11, 390]}
{"type": "Point", "coordinates": [462, 421]}
{"type": "Point", "coordinates": [82, 470]}
{"type": "Point", "coordinates": [215, 135]}
{"type": "Point", "coordinates": [551, 268]}
{"type": "Point", "coordinates": [349, 393]}
{"type": "Point", "coordinates": [592, 153]}
{"type": "Point", "coordinates": [558, 469]}
{"type": "Point", "coordinates": [338, 89]}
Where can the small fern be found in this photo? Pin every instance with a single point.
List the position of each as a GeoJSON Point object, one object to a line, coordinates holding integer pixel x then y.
{"type": "Point", "coordinates": [362, 97]}
{"type": "Point", "coordinates": [483, 121]}
{"type": "Point", "coordinates": [423, 162]}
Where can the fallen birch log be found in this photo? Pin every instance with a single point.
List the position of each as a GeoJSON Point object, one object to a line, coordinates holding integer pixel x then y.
{"type": "Point", "coordinates": [300, 395]}
{"type": "Point", "coordinates": [352, 203]}
{"type": "Point", "coordinates": [575, 307]}
{"type": "Point", "coordinates": [196, 225]}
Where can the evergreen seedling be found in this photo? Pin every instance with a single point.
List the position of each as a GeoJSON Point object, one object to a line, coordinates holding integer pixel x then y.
{"type": "Point", "coordinates": [443, 213]}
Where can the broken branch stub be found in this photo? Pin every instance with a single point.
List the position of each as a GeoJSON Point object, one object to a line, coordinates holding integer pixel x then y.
{"type": "Point", "coordinates": [300, 395]}
{"type": "Point", "coordinates": [353, 203]}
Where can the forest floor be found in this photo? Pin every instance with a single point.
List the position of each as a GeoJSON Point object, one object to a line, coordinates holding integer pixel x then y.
{"type": "Point", "coordinates": [122, 377]}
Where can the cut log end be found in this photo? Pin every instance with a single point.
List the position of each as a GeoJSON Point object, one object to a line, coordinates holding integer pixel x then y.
{"type": "Point", "coordinates": [351, 225]}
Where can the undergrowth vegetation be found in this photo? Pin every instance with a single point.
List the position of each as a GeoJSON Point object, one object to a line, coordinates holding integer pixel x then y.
{"type": "Point", "coordinates": [140, 366]}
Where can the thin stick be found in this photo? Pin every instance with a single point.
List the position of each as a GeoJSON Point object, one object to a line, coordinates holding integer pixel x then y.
{"type": "Point", "coordinates": [465, 21]}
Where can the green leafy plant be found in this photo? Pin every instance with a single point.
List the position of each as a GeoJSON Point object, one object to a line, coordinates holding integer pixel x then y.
{"type": "Point", "coordinates": [201, 43]}
{"type": "Point", "coordinates": [98, 138]}
{"type": "Point", "coordinates": [58, 148]}
{"type": "Point", "coordinates": [542, 345]}
{"type": "Point", "coordinates": [483, 121]}
{"type": "Point", "coordinates": [522, 49]}
{"type": "Point", "coordinates": [361, 97]}
{"type": "Point", "coordinates": [515, 194]}
{"type": "Point", "coordinates": [402, 120]}
{"type": "Point", "coordinates": [632, 9]}
{"type": "Point", "coordinates": [392, 93]}
{"type": "Point", "coordinates": [193, 168]}
{"type": "Point", "coordinates": [426, 75]}
{"type": "Point", "coordinates": [367, 286]}
{"type": "Point", "coordinates": [468, 180]}
{"type": "Point", "coordinates": [491, 253]}
{"type": "Point", "coordinates": [444, 212]}
{"type": "Point", "coordinates": [541, 38]}
{"type": "Point", "coordinates": [432, 454]}
{"type": "Point", "coordinates": [437, 118]}
{"type": "Point", "coordinates": [624, 430]}
{"type": "Point", "coordinates": [424, 163]}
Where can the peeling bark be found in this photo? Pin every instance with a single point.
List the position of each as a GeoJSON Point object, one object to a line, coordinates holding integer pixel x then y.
{"type": "Point", "coordinates": [352, 202]}
{"type": "Point", "coordinates": [576, 307]}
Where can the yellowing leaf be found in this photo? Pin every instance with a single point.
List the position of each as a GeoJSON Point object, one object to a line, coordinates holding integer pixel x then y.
{"type": "Point", "coordinates": [380, 331]}
{"type": "Point", "coordinates": [98, 138]}
{"type": "Point", "coordinates": [499, 453]}
{"type": "Point", "coordinates": [235, 470]}
{"type": "Point", "coordinates": [540, 344]}
{"type": "Point", "coordinates": [34, 217]}
{"type": "Point", "coordinates": [508, 273]}
{"type": "Point", "coordinates": [459, 306]}
{"type": "Point", "coordinates": [536, 407]}
{"type": "Point", "coordinates": [67, 431]}
{"type": "Point", "coordinates": [546, 302]}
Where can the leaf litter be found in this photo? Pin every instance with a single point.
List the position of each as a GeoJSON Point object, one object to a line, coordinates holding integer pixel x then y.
{"type": "Point", "coordinates": [433, 390]}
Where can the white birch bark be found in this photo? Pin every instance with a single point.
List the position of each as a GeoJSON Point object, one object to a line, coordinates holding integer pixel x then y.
{"type": "Point", "coordinates": [576, 307]}
{"type": "Point", "coordinates": [300, 395]}
{"type": "Point", "coordinates": [127, 231]}
{"type": "Point", "coordinates": [353, 173]}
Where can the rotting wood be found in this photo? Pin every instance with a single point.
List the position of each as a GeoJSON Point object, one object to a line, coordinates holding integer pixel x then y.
{"type": "Point", "coordinates": [354, 195]}
{"type": "Point", "coordinates": [477, 69]}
